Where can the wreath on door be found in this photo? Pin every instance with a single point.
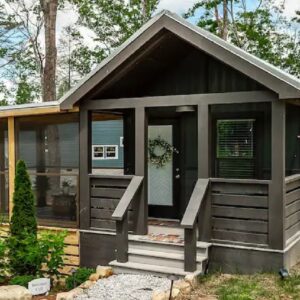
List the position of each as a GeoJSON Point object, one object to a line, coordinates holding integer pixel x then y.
{"type": "Point", "coordinates": [160, 152]}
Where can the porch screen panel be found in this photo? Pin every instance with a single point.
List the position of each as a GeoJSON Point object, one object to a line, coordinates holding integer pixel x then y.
{"type": "Point", "coordinates": [49, 145]}
{"type": "Point", "coordinates": [235, 153]}
{"type": "Point", "coordinates": [4, 201]}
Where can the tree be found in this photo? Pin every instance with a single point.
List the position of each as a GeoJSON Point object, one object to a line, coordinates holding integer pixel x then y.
{"type": "Point", "coordinates": [110, 24]}
{"type": "Point", "coordinates": [23, 226]}
{"type": "Point", "coordinates": [261, 30]}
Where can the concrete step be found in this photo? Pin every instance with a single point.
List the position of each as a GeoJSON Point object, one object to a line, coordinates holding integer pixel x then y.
{"type": "Point", "coordinates": [158, 258]}
{"type": "Point", "coordinates": [139, 268]}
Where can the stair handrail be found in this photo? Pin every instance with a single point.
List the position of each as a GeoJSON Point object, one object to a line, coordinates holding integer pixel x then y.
{"type": "Point", "coordinates": [120, 215]}
{"type": "Point", "coordinates": [189, 224]}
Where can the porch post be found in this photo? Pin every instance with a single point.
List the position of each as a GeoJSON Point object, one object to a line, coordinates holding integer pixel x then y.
{"type": "Point", "coordinates": [277, 186]}
{"type": "Point", "coordinates": [12, 162]}
{"type": "Point", "coordinates": [84, 169]}
{"type": "Point", "coordinates": [204, 221]}
{"type": "Point", "coordinates": [141, 137]}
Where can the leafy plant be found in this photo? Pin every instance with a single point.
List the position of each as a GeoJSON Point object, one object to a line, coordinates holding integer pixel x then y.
{"type": "Point", "coordinates": [78, 277]}
{"type": "Point", "coordinates": [22, 280]}
{"type": "Point", "coordinates": [3, 260]}
{"type": "Point", "coordinates": [51, 246]}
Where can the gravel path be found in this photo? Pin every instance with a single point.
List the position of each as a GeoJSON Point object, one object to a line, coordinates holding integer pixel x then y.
{"type": "Point", "coordinates": [126, 287]}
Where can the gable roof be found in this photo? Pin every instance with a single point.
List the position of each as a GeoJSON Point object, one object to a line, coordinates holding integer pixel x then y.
{"type": "Point", "coordinates": [282, 83]}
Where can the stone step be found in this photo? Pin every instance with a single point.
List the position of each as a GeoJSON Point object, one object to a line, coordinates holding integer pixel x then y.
{"type": "Point", "coordinates": [157, 258]}
{"type": "Point", "coordinates": [139, 268]}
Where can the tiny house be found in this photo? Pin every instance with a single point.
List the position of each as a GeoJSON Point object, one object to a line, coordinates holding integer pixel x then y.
{"type": "Point", "coordinates": [178, 152]}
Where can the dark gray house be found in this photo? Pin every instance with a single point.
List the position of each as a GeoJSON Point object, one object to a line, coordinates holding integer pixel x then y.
{"type": "Point", "coordinates": [210, 168]}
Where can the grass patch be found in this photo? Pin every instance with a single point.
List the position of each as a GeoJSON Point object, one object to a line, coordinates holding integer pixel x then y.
{"type": "Point", "coordinates": [243, 288]}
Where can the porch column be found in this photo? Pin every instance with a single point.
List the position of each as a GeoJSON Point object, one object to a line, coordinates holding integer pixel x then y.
{"type": "Point", "coordinates": [204, 169]}
{"type": "Point", "coordinates": [84, 169]}
{"type": "Point", "coordinates": [141, 137]}
{"type": "Point", "coordinates": [11, 162]}
{"type": "Point", "coordinates": [277, 185]}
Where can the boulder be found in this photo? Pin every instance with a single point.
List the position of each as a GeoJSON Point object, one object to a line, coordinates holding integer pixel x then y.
{"type": "Point", "coordinates": [87, 284]}
{"type": "Point", "coordinates": [192, 279]}
{"type": "Point", "coordinates": [69, 295]}
{"type": "Point", "coordinates": [14, 292]}
{"type": "Point", "coordinates": [183, 286]}
{"type": "Point", "coordinates": [165, 295]}
{"type": "Point", "coordinates": [94, 277]}
{"type": "Point", "coordinates": [104, 271]}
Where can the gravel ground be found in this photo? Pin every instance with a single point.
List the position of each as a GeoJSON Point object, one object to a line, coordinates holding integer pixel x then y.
{"type": "Point", "coordinates": [126, 287]}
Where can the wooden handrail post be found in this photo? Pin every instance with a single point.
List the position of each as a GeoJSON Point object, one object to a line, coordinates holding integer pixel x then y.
{"type": "Point", "coordinates": [122, 239]}
{"type": "Point", "coordinates": [190, 249]}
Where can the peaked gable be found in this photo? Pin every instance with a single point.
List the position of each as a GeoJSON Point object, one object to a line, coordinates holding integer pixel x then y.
{"type": "Point", "coordinates": [286, 86]}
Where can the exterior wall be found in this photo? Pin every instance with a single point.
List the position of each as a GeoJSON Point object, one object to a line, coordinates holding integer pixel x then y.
{"type": "Point", "coordinates": [292, 207]}
{"type": "Point", "coordinates": [240, 211]}
{"type": "Point", "coordinates": [71, 257]}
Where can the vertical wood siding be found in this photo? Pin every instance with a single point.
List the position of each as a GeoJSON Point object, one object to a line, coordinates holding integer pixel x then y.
{"type": "Point", "coordinates": [292, 206]}
{"type": "Point", "coordinates": [240, 211]}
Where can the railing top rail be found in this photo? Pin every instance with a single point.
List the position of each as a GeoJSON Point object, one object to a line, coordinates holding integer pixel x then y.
{"type": "Point", "coordinates": [292, 178]}
{"type": "Point", "coordinates": [126, 199]}
{"type": "Point", "coordinates": [241, 181]}
{"type": "Point", "coordinates": [111, 176]}
{"type": "Point", "coordinates": [192, 210]}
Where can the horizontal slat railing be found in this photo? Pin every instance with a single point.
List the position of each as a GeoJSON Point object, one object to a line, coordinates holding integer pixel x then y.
{"type": "Point", "coordinates": [189, 224]}
{"type": "Point", "coordinates": [120, 215]}
{"type": "Point", "coordinates": [292, 207]}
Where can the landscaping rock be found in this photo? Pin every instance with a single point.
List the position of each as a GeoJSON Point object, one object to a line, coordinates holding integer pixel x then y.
{"type": "Point", "coordinates": [183, 286]}
{"type": "Point", "coordinates": [94, 277]}
{"type": "Point", "coordinates": [104, 272]}
{"type": "Point", "coordinates": [70, 295]}
{"type": "Point", "coordinates": [86, 285]}
{"type": "Point", "coordinates": [192, 279]}
{"type": "Point", "coordinates": [14, 292]}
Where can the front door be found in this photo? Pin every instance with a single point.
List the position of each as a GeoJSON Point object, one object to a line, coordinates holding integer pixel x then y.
{"type": "Point", "coordinates": [163, 168]}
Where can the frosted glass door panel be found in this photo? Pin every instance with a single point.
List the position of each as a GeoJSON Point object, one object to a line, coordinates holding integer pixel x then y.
{"type": "Point", "coordinates": [160, 180]}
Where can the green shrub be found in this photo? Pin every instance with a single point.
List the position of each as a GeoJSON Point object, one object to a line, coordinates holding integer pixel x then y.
{"type": "Point", "coordinates": [3, 260]}
{"type": "Point", "coordinates": [23, 226]}
{"type": "Point", "coordinates": [51, 247]}
{"type": "Point", "coordinates": [79, 277]}
{"type": "Point", "coordinates": [22, 280]}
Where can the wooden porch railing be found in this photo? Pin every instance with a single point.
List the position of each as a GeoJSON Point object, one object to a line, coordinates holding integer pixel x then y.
{"type": "Point", "coordinates": [120, 215]}
{"type": "Point", "coordinates": [189, 224]}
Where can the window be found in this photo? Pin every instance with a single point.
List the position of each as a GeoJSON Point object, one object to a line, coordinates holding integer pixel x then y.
{"type": "Point", "coordinates": [235, 148]}
{"type": "Point", "coordinates": [105, 152]}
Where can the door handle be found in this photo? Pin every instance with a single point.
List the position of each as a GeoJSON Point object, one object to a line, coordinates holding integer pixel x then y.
{"type": "Point", "coordinates": [177, 176]}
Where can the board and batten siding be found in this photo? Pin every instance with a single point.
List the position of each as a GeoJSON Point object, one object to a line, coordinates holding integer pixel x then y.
{"type": "Point", "coordinates": [292, 206]}
{"type": "Point", "coordinates": [240, 210]}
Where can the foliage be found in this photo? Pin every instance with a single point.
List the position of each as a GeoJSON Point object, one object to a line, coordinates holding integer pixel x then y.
{"type": "Point", "coordinates": [291, 284]}
{"type": "Point", "coordinates": [3, 260]}
{"type": "Point", "coordinates": [51, 247]}
{"type": "Point", "coordinates": [22, 280]}
{"type": "Point", "coordinates": [78, 277]}
{"type": "Point", "coordinates": [260, 29]}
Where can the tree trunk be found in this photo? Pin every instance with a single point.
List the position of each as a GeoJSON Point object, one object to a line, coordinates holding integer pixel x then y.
{"type": "Point", "coordinates": [225, 21]}
{"type": "Point", "coordinates": [49, 8]}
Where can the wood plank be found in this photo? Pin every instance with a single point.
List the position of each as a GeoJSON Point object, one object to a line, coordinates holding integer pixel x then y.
{"type": "Point", "coordinates": [292, 196]}
{"type": "Point", "coordinates": [292, 185]}
{"type": "Point", "coordinates": [109, 182]}
{"type": "Point", "coordinates": [240, 225]}
{"type": "Point", "coordinates": [71, 250]}
{"type": "Point", "coordinates": [292, 230]}
{"type": "Point", "coordinates": [107, 192]}
{"type": "Point", "coordinates": [104, 203]}
{"type": "Point", "coordinates": [292, 208]}
{"type": "Point", "coordinates": [71, 260]}
{"type": "Point", "coordinates": [240, 200]}
{"type": "Point", "coordinates": [245, 237]}
{"type": "Point", "coordinates": [103, 214]}
{"type": "Point", "coordinates": [240, 213]}
{"type": "Point", "coordinates": [11, 162]}
{"type": "Point", "coordinates": [239, 188]}
{"type": "Point", "coordinates": [67, 270]}
{"type": "Point", "coordinates": [196, 200]}
{"type": "Point", "coordinates": [72, 239]}
{"type": "Point", "coordinates": [103, 224]}
{"type": "Point", "coordinates": [292, 220]}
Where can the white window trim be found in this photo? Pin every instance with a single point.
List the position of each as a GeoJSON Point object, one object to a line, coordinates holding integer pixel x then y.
{"type": "Point", "coordinates": [104, 152]}
{"type": "Point", "coordinates": [121, 141]}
